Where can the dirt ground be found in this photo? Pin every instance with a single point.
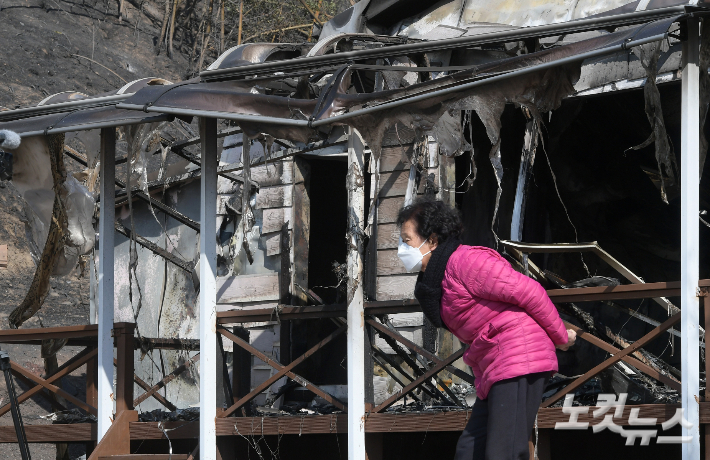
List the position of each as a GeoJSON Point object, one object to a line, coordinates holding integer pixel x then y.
{"type": "Point", "coordinates": [48, 47]}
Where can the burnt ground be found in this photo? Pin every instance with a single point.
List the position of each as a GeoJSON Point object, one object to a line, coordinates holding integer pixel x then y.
{"type": "Point", "coordinates": [47, 45]}
{"type": "Point", "coordinates": [42, 41]}
{"type": "Point", "coordinates": [66, 305]}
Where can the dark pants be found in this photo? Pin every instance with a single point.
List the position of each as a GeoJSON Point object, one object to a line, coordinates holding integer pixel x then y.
{"type": "Point", "coordinates": [500, 426]}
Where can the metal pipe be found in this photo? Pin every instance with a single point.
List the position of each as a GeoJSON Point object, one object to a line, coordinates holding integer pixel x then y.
{"type": "Point", "coordinates": [355, 314]}
{"type": "Point", "coordinates": [527, 161]}
{"type": "Point", "coordinates": [208, 289]}
{"type": "Point", "coordinates": [392, 104]}
{"type": "Point", "coordinates": [62, 107]}
{"type": "Point", "coordinates": [690, 239]}
{"type": "Point", "coordinates": [486, 81]}
{"type": "Point", "coordinates": [101, 125]}
{"type": "Point", "coordinates": [214, 114]}
{"type": "Point", "coordinates": [439, 45]}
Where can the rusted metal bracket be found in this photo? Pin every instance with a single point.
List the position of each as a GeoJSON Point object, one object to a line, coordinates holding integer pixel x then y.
{"type": "Point", "coordinates": [278, 366]}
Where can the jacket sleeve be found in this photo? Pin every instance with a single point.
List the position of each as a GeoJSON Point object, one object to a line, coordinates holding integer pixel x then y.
{"type": "Point", "coordinates": [489, 276]}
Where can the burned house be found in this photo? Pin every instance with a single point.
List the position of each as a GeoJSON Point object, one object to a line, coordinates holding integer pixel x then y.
{"type": "Point", "coordinates": [245, 272]}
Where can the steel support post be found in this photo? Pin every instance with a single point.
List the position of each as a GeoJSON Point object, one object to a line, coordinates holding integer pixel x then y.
{"type": "Point", "coordinates": [689, 239]}
{"type": "Point", "coordinates": [105, 304]}
{"type": "Point", "coordinates": [208, 289]}
{"type": "Point", "coordinates": [356, 313]}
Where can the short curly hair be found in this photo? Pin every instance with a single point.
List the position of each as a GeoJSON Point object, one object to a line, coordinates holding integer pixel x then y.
{"type": "Point", "coordinates": [432, 216]}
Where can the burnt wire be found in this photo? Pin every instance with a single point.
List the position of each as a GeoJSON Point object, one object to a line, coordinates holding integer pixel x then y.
{"type": "Point", "coordinates": [254, 443]}
{"type": "Point", "coordinates": [170, 443]}
{"type": "Point", "coordinates": [557, 190]}
{"type": "Point", "coordinates": [140, 138]}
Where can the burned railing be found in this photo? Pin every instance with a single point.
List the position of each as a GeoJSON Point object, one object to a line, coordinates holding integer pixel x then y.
{"type": "Point", "coordinates": [86, 336]}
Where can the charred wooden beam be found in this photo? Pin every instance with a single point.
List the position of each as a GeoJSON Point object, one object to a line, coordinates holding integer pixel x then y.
{"type": "Point", "coordinates": [433, 390]}
{"type": "Point", "coordinates": [157, 396]}
{"type": "Point", "coordinates": [283, 371]}
{"type": "Point", "coordinates": [427, 354]}
{"type": "Point", "coordinates": [185, 265]}
{"type": "Point", "coordinates": [278, 366]}
{"type": "Point", "coordinates": [180, 151]}
{"type": "Point", "coordinates": [168, 378]}
{"type": "Point", "coordinates": [425, 365]}
{"type": "Point", "coordinates": [162, 343]}
{"type": "Point", "coordinates": [614, 359]}
{"type": "Point", "coordinates": [185, 143]}
{"type": "Point", "coordinates": [646, 369]}
{"type": "Point", "coordinates": [376, 358]}
{"type": "Point", "coordinates": [426, 376]}
{"type": "Point", "coordinates": [663, 366]}
{"type": "Point", "coordinates": [381, 355]}
{"type": "Point", "coordinates": [182, 178]}
{"type": "Point", "coordinates": [180, 217]}
{"type": "Point", "coordinates": [177, 215]}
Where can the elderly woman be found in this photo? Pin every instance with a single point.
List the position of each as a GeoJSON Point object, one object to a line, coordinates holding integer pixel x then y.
{"type": "Point", "coordinates": [508, 320]}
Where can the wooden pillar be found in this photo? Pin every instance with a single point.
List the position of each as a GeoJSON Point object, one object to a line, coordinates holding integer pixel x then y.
{"type": "Point", "coordinates": [285, 294]}
{"type": "Point", "coordinates": [375, 446]}
{"type": "Point", "coordinates": [689, 239]}
{"type": "Point", "coordinates": [301, 228]}
{"type": "Point", "coordinates": [706, 428]}
{"type": "Point", "coordinates": [355, 314]}
{"type": "Point", "coordinates": [543, 444]}
{"type": "Point", "coordinates": [208, 289]}
{"type": "Point", "coordinates": [123, 335]}
{"type": "Point", "coordinates": [241, 366]}
{"type": "Point", "coordinates": [105, 304]}
{"type": "Point", "coordinates": [92, 395]}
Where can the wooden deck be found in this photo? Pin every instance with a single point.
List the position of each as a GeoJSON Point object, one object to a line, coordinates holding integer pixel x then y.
{"type": "Point", "coordinates": [321, 424]}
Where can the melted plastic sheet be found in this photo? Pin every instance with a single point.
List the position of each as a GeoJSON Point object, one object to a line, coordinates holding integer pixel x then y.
{"type": "Point", "coordinates": [84, 118]}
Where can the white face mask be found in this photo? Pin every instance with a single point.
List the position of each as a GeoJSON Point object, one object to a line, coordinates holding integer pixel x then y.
{"type": "Point", "coordinates": [411, 257]}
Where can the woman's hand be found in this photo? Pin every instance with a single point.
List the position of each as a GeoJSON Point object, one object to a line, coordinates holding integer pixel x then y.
{"type": "Point", "coordinates": [571, 338]}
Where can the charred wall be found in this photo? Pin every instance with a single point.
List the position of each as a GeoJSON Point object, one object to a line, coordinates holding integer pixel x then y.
{"type": "Point", "coordinates": [601, 191]}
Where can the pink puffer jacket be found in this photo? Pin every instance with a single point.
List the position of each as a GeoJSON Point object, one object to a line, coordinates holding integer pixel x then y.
{"type": "Point", "coordinates": [506, 317]}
